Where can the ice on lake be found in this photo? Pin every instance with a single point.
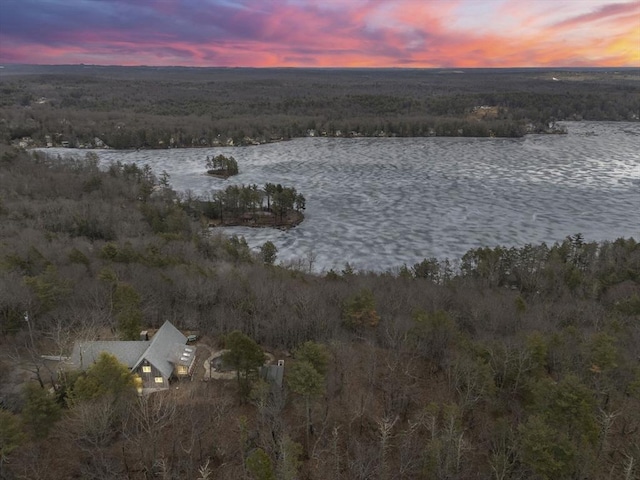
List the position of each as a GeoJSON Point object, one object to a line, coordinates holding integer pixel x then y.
{"type": "Point", "coordinates": [378, 203]}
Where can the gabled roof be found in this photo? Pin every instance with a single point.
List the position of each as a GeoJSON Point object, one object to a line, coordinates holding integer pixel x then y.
{"type": "Point", "coordinates": [162, 349]}
{"type": "Point", "coordinates": [167, 348]}
{"type": "Point", "coordinates": [86, 354]}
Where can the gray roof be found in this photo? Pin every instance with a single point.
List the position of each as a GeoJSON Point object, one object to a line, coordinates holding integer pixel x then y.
{"type": "Point", "coordinates": [162, 350]}
{"type": "Point", "coordinates": [86, 354]}
{"type": "Point", "coordinates": [167, 348]}
{"type": "Point", "coordinates": [272, 373]}
{"type": "Point", "coordinates": [182, 354]}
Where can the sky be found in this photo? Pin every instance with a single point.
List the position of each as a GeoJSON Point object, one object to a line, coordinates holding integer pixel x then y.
{"type": "Point", "coordinates": [322, 33]}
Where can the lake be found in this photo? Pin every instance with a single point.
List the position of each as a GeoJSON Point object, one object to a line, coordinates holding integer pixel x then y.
{"type": "Point", "coordinates": [378, 203]}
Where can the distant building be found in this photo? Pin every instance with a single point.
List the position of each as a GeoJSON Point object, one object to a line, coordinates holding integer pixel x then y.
{"type": "Point", "coordinates": [274, 374]}
{"type": "Point", "coordinates": [156, 361]}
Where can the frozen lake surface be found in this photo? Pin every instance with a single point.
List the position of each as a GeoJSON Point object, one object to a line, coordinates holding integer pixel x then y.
{"type": "Point", "coordinates": [378, 203]}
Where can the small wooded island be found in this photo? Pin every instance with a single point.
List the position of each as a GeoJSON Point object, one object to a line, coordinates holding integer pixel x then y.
{"type": "Point", "coordinates": [249, 205]}
{"type": "Point", "coordinates": [221, 166]}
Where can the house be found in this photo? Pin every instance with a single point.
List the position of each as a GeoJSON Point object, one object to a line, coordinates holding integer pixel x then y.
{"type": "Point", "coordinates": [156, 361]}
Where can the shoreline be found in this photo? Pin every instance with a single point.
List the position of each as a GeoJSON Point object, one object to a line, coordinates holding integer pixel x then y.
{"type": "Point", "coordinates": [292, 220]}
{"type": "Point", "coordinates": [222, 176]}
{"type": "Point", "coordinates": [250, 142]}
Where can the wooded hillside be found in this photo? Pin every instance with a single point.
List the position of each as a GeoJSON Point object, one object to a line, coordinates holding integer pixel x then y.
{"type": "Point", "coordinates": [521, 364]}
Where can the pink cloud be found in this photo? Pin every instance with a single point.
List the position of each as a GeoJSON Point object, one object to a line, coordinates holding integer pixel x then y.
{"type": "Point", "coordinates": [372, 33]}
{"type": "Point", "coordinates": [631, 11]}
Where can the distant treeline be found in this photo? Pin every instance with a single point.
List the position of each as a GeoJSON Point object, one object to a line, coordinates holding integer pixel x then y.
{"type": "Point", "coordinates": [142, 108]}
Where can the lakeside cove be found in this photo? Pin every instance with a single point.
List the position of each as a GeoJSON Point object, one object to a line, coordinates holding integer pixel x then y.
{"type": "Point", "coordinates": [380, 202]}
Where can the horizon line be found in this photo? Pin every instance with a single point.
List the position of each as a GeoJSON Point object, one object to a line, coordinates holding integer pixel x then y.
{"type": "Point", "coordinates": [284, 67]}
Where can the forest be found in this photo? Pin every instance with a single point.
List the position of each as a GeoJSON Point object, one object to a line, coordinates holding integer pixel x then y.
{"type": "Point", "coordinates": [245, 205]}
{"type": "Point", "coordinates": [149, 107]}
{"type": "Point", "coordinates": [509, 363]}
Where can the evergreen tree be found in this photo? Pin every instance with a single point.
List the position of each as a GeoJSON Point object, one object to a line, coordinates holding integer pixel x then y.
{"type": "Point", "coordinates": [315, 354]}
{"type": "Point", "coordinates": [40, 412]}
{"type": "Point", "coordinates": [259, 465]}
{"type": "Point", "coordinates": [244, 356]}
{"type": "Point", "coordinates": [106, 376]}
{"type": "Point", "coordinates": [307, 382]}
{"type": "Point", "coordinates": [126, 303]}
{"type": "Point", "coordinates": [269, 251]}
{"type": "Point", "coordinates": [11, 435]}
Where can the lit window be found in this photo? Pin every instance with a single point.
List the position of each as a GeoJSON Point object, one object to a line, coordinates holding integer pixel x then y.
{"type": "Point", "coordinates": [159, 380]}
{"type": "Point", "coordinates": [146, 369]}
{"type": "Point", "coordinates": [182, 370]}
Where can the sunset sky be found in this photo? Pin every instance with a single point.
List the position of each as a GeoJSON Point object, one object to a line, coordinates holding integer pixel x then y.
{"type": "Point", "coordinates": [322, 33]}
